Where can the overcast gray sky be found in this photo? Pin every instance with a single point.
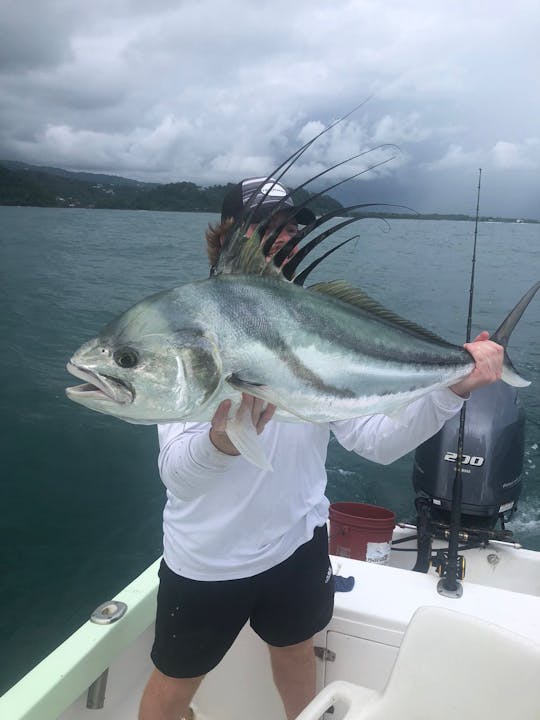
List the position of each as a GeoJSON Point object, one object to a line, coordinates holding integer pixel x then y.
{"type": "Point", "coordinates": [215, 90]}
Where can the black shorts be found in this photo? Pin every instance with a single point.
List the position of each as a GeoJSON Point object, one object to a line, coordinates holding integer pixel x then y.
{"type": "Point", "coordinates": [198, 621]}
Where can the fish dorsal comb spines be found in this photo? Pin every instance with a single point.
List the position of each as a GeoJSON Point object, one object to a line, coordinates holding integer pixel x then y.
{"type": "Point", "coordinates": [356, 298]}
{"type": "Point", "coordinates": [241, 255]}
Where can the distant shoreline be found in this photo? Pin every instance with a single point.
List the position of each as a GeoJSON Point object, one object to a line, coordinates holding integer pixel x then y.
{"type": "Point", "coordinates": [23, 185]}
{"type": "Point", "coordinates": [438, 216]}
{"type": "Point", "coordinates": [371, 216]}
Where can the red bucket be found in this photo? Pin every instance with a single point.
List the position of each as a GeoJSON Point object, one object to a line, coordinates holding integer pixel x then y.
{"type": "Point", "coordinates": [361, 532]}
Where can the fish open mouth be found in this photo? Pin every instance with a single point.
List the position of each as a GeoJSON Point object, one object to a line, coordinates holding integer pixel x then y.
{"type": "Point", "coordinates": [98, 387]}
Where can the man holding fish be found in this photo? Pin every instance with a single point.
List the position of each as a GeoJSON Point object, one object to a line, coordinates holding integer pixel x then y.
{"type": "Point", "coordinates": [243, 542]}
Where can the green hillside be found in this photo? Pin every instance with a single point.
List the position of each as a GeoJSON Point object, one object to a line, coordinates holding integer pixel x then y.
{"type": "Point", "coordinates": [22, 184]}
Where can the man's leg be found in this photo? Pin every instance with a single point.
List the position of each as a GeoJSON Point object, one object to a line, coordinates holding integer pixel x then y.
{"type": "Point", "coordinates": [167, 698]}
{"type": "Point", "coordinates": [295, 601]}
{"type": "Point", "coordinates": [196, 624]}
{"type": "Point", "coordinates": [293, 667]}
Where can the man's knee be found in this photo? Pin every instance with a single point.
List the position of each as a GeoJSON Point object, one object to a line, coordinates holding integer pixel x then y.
{"type": "Point", "coordinates": [302, 651]}
{"type": "Point", "coordinates": [293, 668]}
{"type": "Point", "coordinates": [166, 697]}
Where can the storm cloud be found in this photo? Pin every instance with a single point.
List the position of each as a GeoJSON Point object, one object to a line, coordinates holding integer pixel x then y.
{"type": "Point", "coordinates": [211, 91]}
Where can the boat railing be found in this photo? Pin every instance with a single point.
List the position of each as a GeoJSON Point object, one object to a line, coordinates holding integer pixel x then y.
{"type": "Point", "coordinates": [81, 662]}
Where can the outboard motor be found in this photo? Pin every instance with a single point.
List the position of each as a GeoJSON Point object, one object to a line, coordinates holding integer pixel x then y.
{"type": "Point", "coordinates": [492, 466]}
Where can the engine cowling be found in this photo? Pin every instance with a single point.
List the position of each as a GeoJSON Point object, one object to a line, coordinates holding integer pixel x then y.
{"type": "Point", "coordinates": [492, 461]}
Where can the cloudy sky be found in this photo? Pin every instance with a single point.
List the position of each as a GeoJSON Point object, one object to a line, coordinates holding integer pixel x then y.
{"type": "Point", "coordinates": [215, 90]}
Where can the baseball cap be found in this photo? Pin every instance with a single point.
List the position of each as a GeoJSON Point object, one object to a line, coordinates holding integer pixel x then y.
{"type": "Point", "coordinates": [262, 195]}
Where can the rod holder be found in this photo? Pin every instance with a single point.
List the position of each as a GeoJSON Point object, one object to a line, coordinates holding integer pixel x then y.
{"type": "Point", "coordinates": [95, 697]}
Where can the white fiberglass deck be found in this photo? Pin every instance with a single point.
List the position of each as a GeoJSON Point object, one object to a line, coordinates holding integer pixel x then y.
{"type": "Point", "coordinates": [365, 634]}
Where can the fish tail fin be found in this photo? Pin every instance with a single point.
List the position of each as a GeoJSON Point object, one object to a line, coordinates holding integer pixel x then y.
{"type": "Point", "coordinates": [510, 375]}
{"type": "Point", "coordinates": [502, 335]}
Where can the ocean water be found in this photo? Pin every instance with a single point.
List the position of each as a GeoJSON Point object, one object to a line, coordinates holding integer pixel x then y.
{"type": "Point", "coordinates": [81, 496]}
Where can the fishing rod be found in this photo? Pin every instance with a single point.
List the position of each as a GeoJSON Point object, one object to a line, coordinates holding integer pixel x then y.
{"type": "Point", "coordinates": [450, 584]}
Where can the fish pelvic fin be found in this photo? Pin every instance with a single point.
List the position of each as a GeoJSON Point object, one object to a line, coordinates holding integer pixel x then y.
{"type": "Point", "coordinates": [243, 436]}
{"type": "Point", "coordinates": [502, 336]}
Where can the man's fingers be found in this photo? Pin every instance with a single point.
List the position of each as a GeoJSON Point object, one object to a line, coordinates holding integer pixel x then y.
{"type": "Point", "coordinates": [259, 412]}
{"type": "Point", "coordinates": [484, 335]}
{"type": "Point", "coordinates": [266, 415]}
{"type": "Point", "coordinates": [488, 358]}
{"type": "Point", "coordinates": [219, 421]}
{"type": "Point", "coordinates": [256, 409]}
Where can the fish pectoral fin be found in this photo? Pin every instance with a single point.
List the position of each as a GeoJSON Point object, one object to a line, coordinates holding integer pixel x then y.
{"type": "Point", "coordinates": [264, 392]}
{"type": "Point", "coordinates": [246, 386]}
{"type": "Point", "coordinates": [243, 436]}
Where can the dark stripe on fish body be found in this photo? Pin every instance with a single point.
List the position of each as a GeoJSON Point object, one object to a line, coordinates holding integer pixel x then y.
{"type": "Point", "coordinates": [275, 343]}
{"type": "Point", "coordinates": [300, 371]}
{"type": "Point", "coordinates": [240, 295]}
{"type": "Point", "coordinates": [422, 353]}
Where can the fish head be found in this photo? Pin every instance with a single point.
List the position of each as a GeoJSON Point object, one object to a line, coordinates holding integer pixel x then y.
{"type": "Point", "coordinates": [142, 370]}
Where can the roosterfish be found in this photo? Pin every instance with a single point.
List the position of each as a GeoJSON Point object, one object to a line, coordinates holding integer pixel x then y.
{"type": "Point", "coordinates": [320, 353]}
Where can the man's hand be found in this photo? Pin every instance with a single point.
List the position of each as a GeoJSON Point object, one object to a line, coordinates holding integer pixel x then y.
{"type": "Point", "coordinates": [260, 415]}
{"type": "Point", "coordinates": [488, 357]}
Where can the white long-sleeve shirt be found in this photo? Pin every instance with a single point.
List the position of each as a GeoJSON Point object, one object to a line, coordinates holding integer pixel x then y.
{"type": "Point", "coordinates": [227, 519]}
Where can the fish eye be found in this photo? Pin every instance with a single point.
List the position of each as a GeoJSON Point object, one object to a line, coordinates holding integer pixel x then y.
{"type": "Point", "coordinates": [126, 357]}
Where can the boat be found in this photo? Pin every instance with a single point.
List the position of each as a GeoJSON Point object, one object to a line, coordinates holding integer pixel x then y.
{"type": "Point", "coordinates": [416, 635]}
